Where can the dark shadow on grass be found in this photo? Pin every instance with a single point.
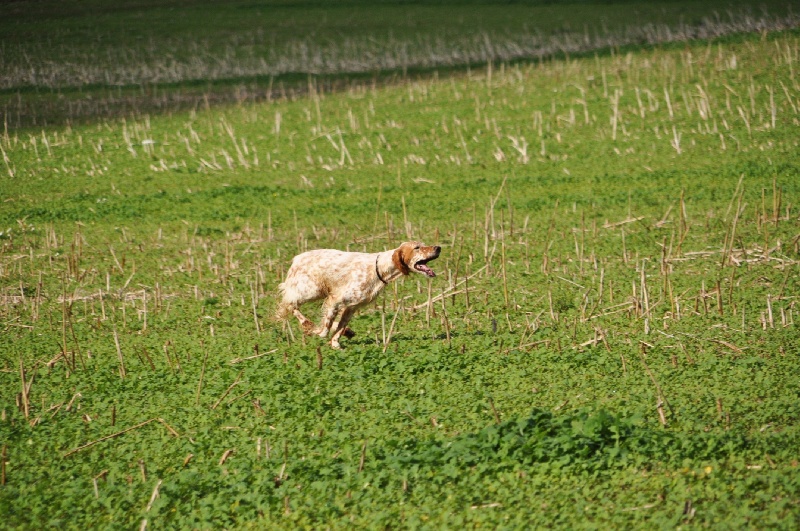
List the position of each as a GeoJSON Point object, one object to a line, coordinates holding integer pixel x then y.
{"type": "Point", "coordinates": [29, 106]}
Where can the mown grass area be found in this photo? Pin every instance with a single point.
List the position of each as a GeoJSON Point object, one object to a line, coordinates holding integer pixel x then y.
{"type": "Point", "coordinates": [70, 62]}
{"type": "Point", "coordinates": [610, 340]}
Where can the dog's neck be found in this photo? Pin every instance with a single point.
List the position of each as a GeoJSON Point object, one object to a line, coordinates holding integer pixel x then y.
{"type": "Point", "coordinates": [385, 269]}
{"type": "Point", "coordinates": [377, 271]}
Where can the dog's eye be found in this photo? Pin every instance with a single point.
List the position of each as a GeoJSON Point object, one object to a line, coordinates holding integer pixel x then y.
{"type": "Point", "coordinates": [416, 247]}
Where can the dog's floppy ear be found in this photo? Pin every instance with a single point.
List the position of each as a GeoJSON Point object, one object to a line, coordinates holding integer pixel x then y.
{"type": "Point", "coordinates": [400, 258]}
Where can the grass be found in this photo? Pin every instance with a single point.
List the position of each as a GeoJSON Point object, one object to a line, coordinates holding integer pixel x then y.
{"type": "Point", "coordinates": [610, 340]}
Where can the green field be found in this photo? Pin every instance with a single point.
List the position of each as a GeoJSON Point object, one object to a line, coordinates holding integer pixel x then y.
{"type": "Point", "coordinates": [79, 61]}
{"type": "Point", "coordinates": [609, 341]}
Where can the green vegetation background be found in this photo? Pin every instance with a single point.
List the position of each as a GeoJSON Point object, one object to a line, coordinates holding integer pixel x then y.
{"type": "Point", "coordinates": [610, 339]}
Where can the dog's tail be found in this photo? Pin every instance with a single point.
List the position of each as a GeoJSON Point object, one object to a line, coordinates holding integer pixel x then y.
{"type": "Point", "coordinates": [284, 308]}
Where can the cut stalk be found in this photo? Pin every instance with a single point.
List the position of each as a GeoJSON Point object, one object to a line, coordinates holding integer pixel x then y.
{"type": "Point", "coordinates": [119, 355]}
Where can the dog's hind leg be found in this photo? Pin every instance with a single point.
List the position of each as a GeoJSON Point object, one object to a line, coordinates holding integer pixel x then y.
{"type": "Point", "coordinates": [305, 323]}
{"type": "Point", "coordinates": [341, 327]}
{"type": "Point", "coordinates": [297, 291]}
{"type": "Point", "coordinates": [330, 310]}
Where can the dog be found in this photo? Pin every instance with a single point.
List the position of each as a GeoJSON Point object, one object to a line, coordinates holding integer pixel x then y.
{"type": "Point", "coordinates": [347, 282]}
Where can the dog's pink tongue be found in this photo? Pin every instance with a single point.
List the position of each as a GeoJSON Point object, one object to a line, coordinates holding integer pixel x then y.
{"type": "Point", "coordinates": [425, 269]}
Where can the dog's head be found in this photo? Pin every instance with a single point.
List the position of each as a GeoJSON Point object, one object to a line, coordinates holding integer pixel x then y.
{"type": "Point", "coordinates": [414, 256]}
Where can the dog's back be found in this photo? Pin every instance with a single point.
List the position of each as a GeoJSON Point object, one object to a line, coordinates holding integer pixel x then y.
{"type": "Point", "coordinates": [313, 275]}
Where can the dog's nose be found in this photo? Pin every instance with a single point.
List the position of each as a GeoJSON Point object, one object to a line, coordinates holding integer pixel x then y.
{"type": "Point", "coordinates": [437, 249]}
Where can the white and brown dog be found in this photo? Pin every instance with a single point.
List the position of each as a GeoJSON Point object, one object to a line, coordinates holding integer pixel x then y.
{"type": "Point", "coordinates": [347, 281]}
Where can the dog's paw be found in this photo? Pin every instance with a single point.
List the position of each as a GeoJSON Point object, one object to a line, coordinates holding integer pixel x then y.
{"type": "Point", "coordinates": [308, 328]}
{"type": "Point", "coordinates": [348, 333]}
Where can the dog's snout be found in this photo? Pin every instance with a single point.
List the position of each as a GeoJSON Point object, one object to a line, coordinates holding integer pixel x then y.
{"type": "Point", "coordinates": [437, 250]}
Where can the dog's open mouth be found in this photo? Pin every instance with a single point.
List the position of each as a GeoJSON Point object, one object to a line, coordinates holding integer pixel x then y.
{"type": "Point", "coordinates": [422, 267]}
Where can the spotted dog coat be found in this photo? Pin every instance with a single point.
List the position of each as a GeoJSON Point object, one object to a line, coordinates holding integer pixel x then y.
{"type": "Point", "coordinates": [347, 282]}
